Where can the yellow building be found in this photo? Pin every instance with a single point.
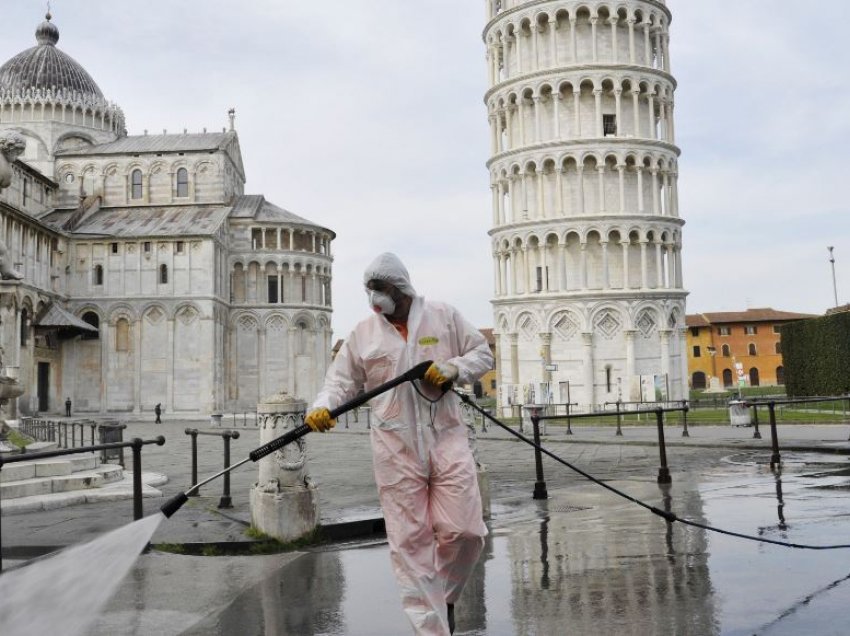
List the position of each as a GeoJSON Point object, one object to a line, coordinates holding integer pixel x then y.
{"type": "Point", "coordinates": [722, 345]}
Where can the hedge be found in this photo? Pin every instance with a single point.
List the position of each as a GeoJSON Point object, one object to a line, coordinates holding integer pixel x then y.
{"type": "Point", "coordinates": [816, 355]}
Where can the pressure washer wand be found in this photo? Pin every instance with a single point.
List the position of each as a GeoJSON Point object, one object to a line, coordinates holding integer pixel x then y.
{"type": "Point", "coordinates": [416, 373]}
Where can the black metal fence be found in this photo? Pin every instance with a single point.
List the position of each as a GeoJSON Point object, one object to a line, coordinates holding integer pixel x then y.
{"type": "Point", "coordinates": [225, 501]}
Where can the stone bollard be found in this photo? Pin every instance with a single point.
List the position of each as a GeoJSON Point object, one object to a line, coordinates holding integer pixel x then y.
{"type": "Point", "coordinates": [284, 502]}
{"type": "Point", "coordinates": [480, 469]}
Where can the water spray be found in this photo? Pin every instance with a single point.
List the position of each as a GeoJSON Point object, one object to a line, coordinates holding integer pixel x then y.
{"type": "Point", "coordinates": [416, 373]}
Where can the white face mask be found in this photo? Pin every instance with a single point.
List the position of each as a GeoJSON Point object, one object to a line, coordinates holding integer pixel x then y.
{"type": "Point", "coordinates": [381, 303]}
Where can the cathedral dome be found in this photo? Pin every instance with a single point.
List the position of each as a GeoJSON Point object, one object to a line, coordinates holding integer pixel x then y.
{"type": "Point", "coordinates": [45, 67]}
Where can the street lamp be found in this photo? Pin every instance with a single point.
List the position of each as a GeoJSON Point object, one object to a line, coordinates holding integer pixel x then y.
{"type": "Point", "coordinates": [832, 263]}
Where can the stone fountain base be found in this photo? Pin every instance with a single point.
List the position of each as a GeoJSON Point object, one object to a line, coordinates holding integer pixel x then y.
{"type": "Point", "coordinates": [286, 514]}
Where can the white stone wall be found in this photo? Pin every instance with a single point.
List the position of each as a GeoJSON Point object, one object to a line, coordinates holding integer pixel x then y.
{"type": "Point", "coordinates": [586, 234]}
{"type": "Point", "coordinates": [211, 179]}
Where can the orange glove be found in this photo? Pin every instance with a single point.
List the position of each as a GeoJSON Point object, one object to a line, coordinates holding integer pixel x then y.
{"type": "Point", "coordinates": [441, 372]}
{"type": "Point", "coordinates": [320, 420]}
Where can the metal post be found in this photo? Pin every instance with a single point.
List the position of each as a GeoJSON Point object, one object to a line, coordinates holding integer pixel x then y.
{"type": "Point", "coordinates": [93, 427]}
{"type": "Point", "coordinates": [775, 460]}
{"type": "Point", "coordinates": [194, 433]}
{"type": "Point", "coordinates": [225, 501]}
{"type": "Point", "coordinates": [834, 287]}
{"type": "Point", "coordinates": [569, 428]}
{"type": "Point", "coordinates": [540, 484]}
{"type": "Point", "coordinates": [619, 420]}
{"type": "Point", "coordinates": [756, 433]}
{"type": "Point", "coordinates": [73, 435]}
{"type": "Point", "coordinates": [137, 479]}
{"type": "Point", "coordinates": [685, 420]}
{"type": "Point", "coordinates": [663, 472]}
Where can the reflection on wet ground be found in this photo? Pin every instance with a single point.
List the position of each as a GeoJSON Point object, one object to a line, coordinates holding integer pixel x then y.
{"type": "Point", "coordinates": [585, 562]}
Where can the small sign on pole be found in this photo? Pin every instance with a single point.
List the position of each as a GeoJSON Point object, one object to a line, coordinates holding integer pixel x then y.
{"type": "Point", "coordinates": [551, 367]}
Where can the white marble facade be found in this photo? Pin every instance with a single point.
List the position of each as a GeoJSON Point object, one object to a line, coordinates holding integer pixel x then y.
{"type": "Point", "coordinates": [586, 234]}
{"type": "Point", "coordinates": [205, 299]}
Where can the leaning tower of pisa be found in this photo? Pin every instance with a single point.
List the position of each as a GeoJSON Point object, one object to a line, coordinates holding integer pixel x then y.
{"type": "Point", "coordinates": [589, 305]}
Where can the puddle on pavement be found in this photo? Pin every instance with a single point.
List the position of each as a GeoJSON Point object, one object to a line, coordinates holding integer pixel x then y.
{"type": "Point", "coordinates": [599, 565]}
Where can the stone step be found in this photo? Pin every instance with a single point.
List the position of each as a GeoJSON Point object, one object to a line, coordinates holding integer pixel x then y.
{"type": "Point", "coordinates": [116, 491]}
{"type": "Point", "coordinates": [80, 480]}
{"type": "Point", "coordinates": [52, 467]}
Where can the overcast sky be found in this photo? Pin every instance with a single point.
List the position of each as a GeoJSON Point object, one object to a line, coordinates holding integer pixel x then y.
{"type": "Point", "coordinates": [368, 118]}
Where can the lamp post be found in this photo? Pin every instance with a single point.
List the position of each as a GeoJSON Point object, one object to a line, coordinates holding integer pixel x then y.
{"type": "Point", "coordinates": [832, 264]}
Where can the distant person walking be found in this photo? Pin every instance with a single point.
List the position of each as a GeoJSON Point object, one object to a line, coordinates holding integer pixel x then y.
{"type": "Point", "coordinates": [68, 407]}
{"type": "Point", "coordinates": [158, 411]}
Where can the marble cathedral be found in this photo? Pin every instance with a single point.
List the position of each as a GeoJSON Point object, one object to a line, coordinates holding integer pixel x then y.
{"type": "Point", "coordinates": [135, 269]}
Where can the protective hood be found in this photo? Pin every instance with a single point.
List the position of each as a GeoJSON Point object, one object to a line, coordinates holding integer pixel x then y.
{"type": "Point", "coordinates": [389, 268]}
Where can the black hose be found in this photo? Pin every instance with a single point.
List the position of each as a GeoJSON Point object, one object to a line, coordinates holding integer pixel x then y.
{"type": "Point", "coordinates": [667, 516]}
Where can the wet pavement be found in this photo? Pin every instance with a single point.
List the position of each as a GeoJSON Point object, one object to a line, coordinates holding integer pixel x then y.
{"type": "Point", "coordinates": [583, 561]}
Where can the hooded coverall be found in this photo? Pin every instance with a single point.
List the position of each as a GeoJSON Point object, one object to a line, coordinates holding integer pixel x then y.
{"type": "Point", "coordinates": [424, 469]}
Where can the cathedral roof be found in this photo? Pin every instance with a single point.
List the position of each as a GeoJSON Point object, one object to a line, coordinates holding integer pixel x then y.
{"type": "Point", "coordinates": [44, 67]}
{"type": "Point", "coordinates": [143, 221]}
{"type": "Point", "coordinates": [139, 144]}
{"type": "Point", "coordinates": [255, 206]}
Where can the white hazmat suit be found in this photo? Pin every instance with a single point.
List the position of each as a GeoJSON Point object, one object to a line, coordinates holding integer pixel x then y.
{"type": "Point", "coordinates": [424, 469]}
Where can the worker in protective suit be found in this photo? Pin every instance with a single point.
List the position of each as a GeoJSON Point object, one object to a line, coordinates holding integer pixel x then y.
{"type": "Point", "coordinates": [424, 469]}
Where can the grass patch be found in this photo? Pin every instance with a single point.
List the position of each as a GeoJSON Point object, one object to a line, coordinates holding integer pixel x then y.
{"type": "Point", "coordinates": [264, 544]}
{"type": "Point", "coordinates": [173, 548]}
{"type": "Point", "coordinates": [17, 439]}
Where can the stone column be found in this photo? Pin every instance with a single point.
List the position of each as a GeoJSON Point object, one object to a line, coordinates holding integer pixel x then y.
{"type": "Point", "coordinates": [613, 22]}
{"type": "Point", "coordinates": [535, 101]}
{"type": "Point", "coordinates": [656, 207]}
{"type": "Point", "coordinates": [630, 365]}
{"type": "Point", "coordinates": [593, 33]}
{"type": "Point", "coordinates": [514, 341]}
{"type": "Point", "coordinates": [553, 41]}
{"type": "Point", "coordinates": [606, 278]}
{"type": "Point", "coordinates": [636, 113]}
{"type": "Point", "coordinates": [665, 355]}
{"type": "Point", "coordinates": [651, 131]}
{"type": "Point", "coordinates": [577, 113]}
{"type": "Point", "coordinates": [541, 201]}
{"type": "Point", "coordinates": [621, 170]}
{"type": "Point", "coordinates": [624, 243]}
{"type": "Point", "coordinates": [601, 188]}
{"type": "Point", "coordinates": [559, 183]}
{"type": "Point", "coordinates": [556, 115]}
{"type": "Point", "coordinates": [587, 342]}
{"type": "Point", "coordinates": [580, 186]}
{"type": "Point", "coordinates": [597, 99]}
{"type": "Point", "coordinates": [574, 44]}
{"type": "Point", "coordinates": [583, 266]}
{"type": "Point", "coordinates": [284, 501]}
{"type": "Point", "coordinates": [659, 269]}
{"type": "Point", "coordinates": [546, 354]}
{"type": "Point", "coordinates": [640, 197]}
